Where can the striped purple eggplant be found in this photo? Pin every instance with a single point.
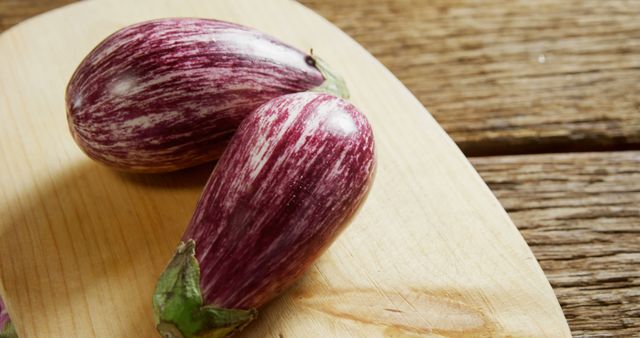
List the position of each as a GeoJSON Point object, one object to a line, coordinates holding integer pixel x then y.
{"type": "Point", "coordinates": [6, 328]}
{"type": "Point", "coordinates": [293, 175]}
{"type": "Point", "coordinates": [168, 94]}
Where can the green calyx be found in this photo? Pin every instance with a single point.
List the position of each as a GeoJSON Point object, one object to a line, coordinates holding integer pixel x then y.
{"type": "Point", "coordinates": [178, 306]}
{"type": "Point", "coordinates": [8, 331]}
{"type": "Point", "coordinates": [333, 83]}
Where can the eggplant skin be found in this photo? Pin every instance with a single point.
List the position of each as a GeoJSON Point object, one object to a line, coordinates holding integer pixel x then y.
{"type": "Point", "coordinates": [4, 316]}
{"type": "Point", "coordinates": [168, 94]}
{"type": "Point", "coordinates": [293, 175]}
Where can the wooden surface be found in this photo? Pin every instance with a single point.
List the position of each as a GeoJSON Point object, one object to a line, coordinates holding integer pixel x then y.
{"type": "Point", "coordinates": [432, 252]}
{"type": "Point", "coordinates": [577, 235]}
{"type": "Point", "coordinates": [14, 11]}
{"type": "Point", "coordinates": [579, 213]}
{"type": "Point", "coordinates": [511, 77]}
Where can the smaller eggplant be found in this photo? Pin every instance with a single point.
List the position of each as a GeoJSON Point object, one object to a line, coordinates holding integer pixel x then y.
{"type": "Point", "coordinates": [168, 94]}
{"type": "Point", "coordinates": [6, 328]}
{"type": "Point", "coordinates": [293, 175]}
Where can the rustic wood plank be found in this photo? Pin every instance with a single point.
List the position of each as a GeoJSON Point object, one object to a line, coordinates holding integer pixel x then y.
{"type": "Point", "coordinates": [510, 77]}
{"type": "Point", "coordinates": [579, 213]}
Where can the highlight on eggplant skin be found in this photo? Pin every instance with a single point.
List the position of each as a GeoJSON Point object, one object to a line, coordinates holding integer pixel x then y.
{"type": "Point", "coordinates": [294, 174]}
{"type": "Point", "coordinates": [168, 94]}
{"type": "Point", "coordinates": [7, 330]}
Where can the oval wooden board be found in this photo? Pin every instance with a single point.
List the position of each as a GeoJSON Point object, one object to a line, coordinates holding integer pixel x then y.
{"type": "Point", "coordinates": [432, 253]}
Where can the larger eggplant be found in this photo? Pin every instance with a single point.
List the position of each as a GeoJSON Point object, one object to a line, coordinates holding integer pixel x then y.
{"type": "Point", "coordinates": [168, 94]}
{"type": "Point", "coordinates": [293, 175]}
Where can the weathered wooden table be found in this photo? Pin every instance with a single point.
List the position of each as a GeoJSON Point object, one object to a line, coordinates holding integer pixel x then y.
{"type": "Point", "coordinates": [543, 98]}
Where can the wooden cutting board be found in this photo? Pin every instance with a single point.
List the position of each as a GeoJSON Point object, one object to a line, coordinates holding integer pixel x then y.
{"type": "Point", "coordinates": [432, 253]}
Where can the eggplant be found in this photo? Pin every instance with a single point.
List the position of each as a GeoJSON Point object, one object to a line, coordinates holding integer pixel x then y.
{"type": "Point", "coordinates": [293, 175]}
{"type": "Point", "coordinates": [6, 328]}
{"type": "Point", "coordinates": [168, 94]}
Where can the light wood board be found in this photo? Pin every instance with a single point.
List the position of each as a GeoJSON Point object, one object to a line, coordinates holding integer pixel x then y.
{"type": "Point", "coordinates": [432, 253]}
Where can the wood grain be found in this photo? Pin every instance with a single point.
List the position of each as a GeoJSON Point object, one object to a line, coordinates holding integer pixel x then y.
{"type": "Point", "coordinates": [579, 213]}
{"type": "Point", "coordinates": [431, 252]}
{"type": "Point", "coordinates": [15, 11]}
{"type": "Point", "coordinates": [510, 77]}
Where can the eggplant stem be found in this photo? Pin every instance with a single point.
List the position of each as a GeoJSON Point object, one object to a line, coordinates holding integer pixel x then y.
{"type": "Point", "coordinates": [8, 331]}
{"type": "Point", "coordinates": [333, 83]}
{"type": "Point", "coordinates": [178, 305]}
